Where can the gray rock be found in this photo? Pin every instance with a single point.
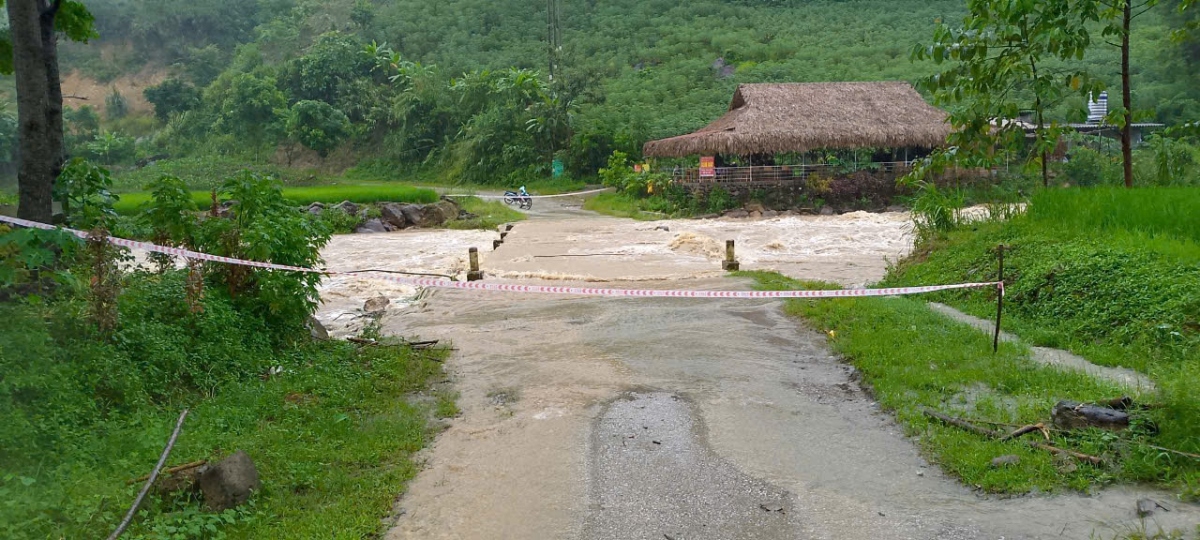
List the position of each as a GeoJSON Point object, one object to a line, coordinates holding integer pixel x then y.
{"type": "Point", "coordinates": [756, 215]}
{"type": "Point", "coordinates": [376, 305]}
{"type": "Point", "coordinates": [465, 215]}
{"type": "Point", "coordinates": [371, 226]}
{"type": "Point", "coordinates": [316, 208]}
{"type": "Point", "coordinates": [393, 214]}
{"type": "Point", "coordinates": [414, 214]}
{"type": "Point", "coordinates": [317, 330]}
{"type": "Point", "coordinates": [770, 214]}
{"type": "Point", "coordinates": [826, 211]}
{"type": "Point", "coordinates": [1004, 461]}
{"type": "Point", "coordinates": [662, 228]}
{"type": "Point", "coordinates": [348, 207]}
{"type": "Point", "coordinates": [1146, 507]}
{"type": "Point", "coordinates": [737, 214]}
{"type": "Point", "coordinates": [229, 482]}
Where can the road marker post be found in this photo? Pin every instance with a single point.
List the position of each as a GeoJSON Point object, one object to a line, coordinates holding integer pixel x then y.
{"type": "Point", "coordinates": [999, 299]}
{"type": "Point", "coordinates": [730, 264]}
{"type": "Point", "coordinates": [474, 274]}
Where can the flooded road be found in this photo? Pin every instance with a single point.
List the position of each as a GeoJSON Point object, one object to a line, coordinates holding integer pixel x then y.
{"type": "Point", "coordinates": [606, 418]}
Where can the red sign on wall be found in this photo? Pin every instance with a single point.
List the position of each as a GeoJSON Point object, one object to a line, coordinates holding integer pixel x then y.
{"type": "Point", "coordinates": [708, 166]}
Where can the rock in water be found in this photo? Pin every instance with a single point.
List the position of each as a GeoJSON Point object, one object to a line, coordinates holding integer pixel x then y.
{"type": "Point", "coordinates": [826, 211]}
{"type": "Point", "coordinates": [371, 226]}
{"type": "Point", "coordinates": [393, 214]}
{"type": "Point", "coordinates": [318, 330]}
{"type": "Point", "coordinates": [1004, 461]}
{"type": "Point", "coordinates": [376, 305]}
{"type": "Point", "coordinates": [1146, 507]}
{"type": "Point", "coordinates": [229, 482]}
{"type": "Point", "coordinates": [1073, 415]}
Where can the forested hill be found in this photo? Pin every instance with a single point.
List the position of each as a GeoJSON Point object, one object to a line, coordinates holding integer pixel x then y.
{"type": "Point", "coordinates": [629, 70]}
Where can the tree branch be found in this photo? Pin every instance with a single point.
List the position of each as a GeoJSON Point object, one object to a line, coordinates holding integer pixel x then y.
{"type": "Point", "coordinates": [162, 460]}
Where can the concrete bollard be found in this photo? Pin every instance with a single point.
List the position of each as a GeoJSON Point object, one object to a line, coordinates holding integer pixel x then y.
{"type": "Point", "coordinates": [474, 274]}
{"type": "Point", "coordinates": [730, 264]}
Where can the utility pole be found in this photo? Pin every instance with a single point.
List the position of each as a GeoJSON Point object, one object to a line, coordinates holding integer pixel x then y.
{"type": "Point", "coordinates": [553, 35]}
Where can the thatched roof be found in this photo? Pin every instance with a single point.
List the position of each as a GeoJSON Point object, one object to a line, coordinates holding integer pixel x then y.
{"type": "Point", "coordinates": [798, 117]}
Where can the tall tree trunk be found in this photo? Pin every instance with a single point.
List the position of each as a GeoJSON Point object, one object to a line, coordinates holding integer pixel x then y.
{"type": "Point", "coordinates": [39, 157]}
{"type": "Point", "coordinates": [1041, 128]}
{"type": "Point", "coordinates": [1127, 96]}
{"type": "Point", "coordinates": [54, 111]}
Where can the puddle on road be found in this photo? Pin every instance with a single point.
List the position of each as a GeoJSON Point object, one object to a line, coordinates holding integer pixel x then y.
{"type": "Point", "coordinates": [653, 476]}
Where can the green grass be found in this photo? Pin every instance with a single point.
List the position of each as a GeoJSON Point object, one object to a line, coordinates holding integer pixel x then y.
{"type": "Point", "coordinates": [621, 205]}
{"type": "Point", "coordinates": [305, 195]}
{"type": "Point", "coordinates": [206, 172]}
{"type": "Point", "coordinates": [332, 434]}
{"type": "Point", "coordinates": [912, 357]}
{"type": "Point", "coordinates": [492, 213]}
{"type": "Point", "coordinates": [1152, 212]}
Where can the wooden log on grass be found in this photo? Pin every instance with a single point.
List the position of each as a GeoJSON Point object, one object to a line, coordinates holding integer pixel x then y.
{"type": "Point", "coordinates": [962, 424]}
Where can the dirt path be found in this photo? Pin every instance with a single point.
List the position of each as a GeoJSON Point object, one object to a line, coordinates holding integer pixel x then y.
{"type": "Point", "coordinates": [761, 433]}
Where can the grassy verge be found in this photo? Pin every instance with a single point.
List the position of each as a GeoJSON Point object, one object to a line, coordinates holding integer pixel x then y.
{"type": "Point", "coordinates": [206, 172]}
{"type": "Point", "coordinates": [622, 205]}
{"type": "Point", "coordinates": [912, 358]}
{"type": "Point", "coordinates": [491, 214]}
{"type": "Point", "coordinates": [305, 195]}
{"type": "Point", "coordinates": [332, 428]}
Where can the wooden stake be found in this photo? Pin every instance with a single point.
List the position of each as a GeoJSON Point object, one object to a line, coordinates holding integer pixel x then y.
{"type": "Point", "coordinates": [999, 300]}
{"type": "Point", "coordinates": [730, 264]}
{"type": "Point", "coordinates": [474, 274]}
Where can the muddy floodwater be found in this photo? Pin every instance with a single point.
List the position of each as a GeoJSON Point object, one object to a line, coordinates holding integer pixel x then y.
{"type": "Point", "coordinates": [639, 418]}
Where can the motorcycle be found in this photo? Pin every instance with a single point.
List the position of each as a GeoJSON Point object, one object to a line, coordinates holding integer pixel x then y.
{"type": "Point", "coordinates": [520, 198]}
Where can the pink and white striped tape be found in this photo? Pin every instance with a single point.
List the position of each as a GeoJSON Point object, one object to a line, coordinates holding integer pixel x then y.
{"type": "Point", "coordinates": [518, 288]}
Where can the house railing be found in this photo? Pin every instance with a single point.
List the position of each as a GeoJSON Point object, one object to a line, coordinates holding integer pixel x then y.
{"type": "Point", "coordinates": [779, 173]}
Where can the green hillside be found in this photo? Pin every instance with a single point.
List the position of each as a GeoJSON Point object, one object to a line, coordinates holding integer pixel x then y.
{"type": "Point", "coordinates": [627, 71]}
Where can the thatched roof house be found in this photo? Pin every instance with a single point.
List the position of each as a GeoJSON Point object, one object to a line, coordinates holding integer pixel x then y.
{"type": "Point", "coordinates": [798, 117]}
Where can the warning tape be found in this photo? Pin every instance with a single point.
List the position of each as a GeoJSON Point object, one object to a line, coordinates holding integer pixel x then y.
{"type": "Point", "coordinates": [577, 193]}
{"type": "Point", "coordinates": [518, 288]}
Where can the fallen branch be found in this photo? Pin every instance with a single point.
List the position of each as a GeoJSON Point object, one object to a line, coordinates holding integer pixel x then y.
{"type": "Point", "coordinates": [1077, 455]}
{"type": "Point", "coordinates": [172, 470]}
{"type": "Point", "coordinates": [1176, 452]}
{"type": "Point", "coordinates": [421, 344]}
{"type": "Point", "coordinates": [962, 424]}
{"type": "Point", "coordinates": [950, 420]}
{"type": "Point", "coordinates": [1028, 429]}
{"type": "Point", "coordinates": [162, 460]}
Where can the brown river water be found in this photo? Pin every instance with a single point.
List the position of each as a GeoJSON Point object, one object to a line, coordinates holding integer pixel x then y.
{"type": "Point", "coordinates": [623, 418]}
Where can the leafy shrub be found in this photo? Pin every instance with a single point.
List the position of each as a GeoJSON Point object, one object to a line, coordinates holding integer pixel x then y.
{"type": "Point", "coordinates": [85, 192]}
{"type": "Point", "coordinates": [1087, 167]}
{"type": "Point", "coordinates": [264, 226]}
{"type": "Point", "coordinates": [720, 200]}
{"type": "Point", "coordinates": [936, 211]}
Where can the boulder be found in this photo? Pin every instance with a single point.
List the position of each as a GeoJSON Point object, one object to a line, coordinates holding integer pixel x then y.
{"type": "Point", "coordinates": [348, 207]}
{"type": "Point", "coordinates": [755, 207]}
{"type": "Point", "coordinates": [229, 482]}
{"type": "Point", "coordinates": [317, 330]}
{"type": "Point", "coordinates": [770, 214]}
{"type": "Point", "coordinates": [393, 214]}
{"type": "Point", "coordinates": [371, 226]}
{"type": "Point", "coordinates": [756, 215]}
{"type": "Point", "coordinates": [414, 214]}
{"type": "Point", "coordinates": [826, 211]}
{"type": "Point", "coordinates": [316, 208]}
{"type": "Point", "coordinates": [377, 305]}
{"type": "Point", "coordinates": [737, 214]}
